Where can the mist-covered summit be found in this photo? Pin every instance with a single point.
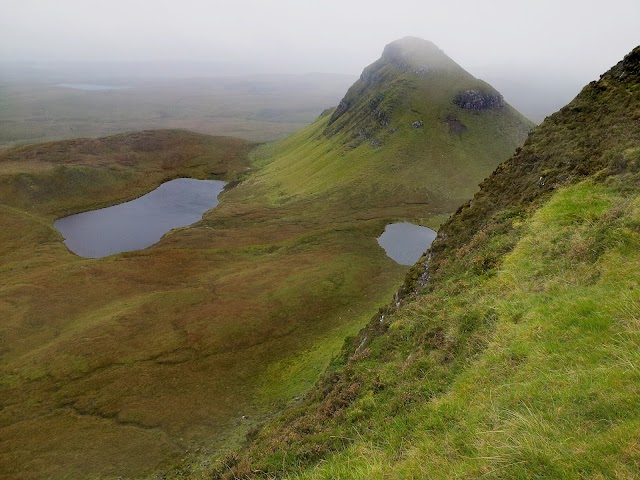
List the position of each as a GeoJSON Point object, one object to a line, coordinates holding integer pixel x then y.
{"type": "Point", "coordinates": [412, 82]}
{"type": "Point", "coordinates": [416, 55]}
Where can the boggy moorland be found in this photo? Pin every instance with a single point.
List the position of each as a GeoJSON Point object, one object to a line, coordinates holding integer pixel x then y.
{"type": "Point", "coordinates": [117, 366]}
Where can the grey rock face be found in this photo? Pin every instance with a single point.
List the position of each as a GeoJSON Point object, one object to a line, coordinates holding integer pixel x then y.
{"type": "Point", "coordinates": [477, 100]}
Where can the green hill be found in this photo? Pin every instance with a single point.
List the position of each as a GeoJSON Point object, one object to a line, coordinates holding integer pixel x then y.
{"type": "Point", "coordinates": [118, 366]}
{"type": "Point", "coordinates": [415, 128]}
{"type": "Point", "coordinates": [513, 348]}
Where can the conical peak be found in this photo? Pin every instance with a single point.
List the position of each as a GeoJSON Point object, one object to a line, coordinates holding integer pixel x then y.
{"type": "Point", "coordinates": [410, 70]}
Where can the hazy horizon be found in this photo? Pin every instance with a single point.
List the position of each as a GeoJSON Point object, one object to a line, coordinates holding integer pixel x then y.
{"type": "Point", "coordinates": [538, 55]}
{"type": "Point", "coordinates": [286, 36]}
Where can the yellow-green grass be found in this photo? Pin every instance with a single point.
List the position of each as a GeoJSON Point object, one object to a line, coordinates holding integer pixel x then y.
{"type": "Point", "coordinates": [531, 371]}
{"type": "Point", "coordinates": [169, 347]}
{"type": "Point", "coordinates": [417, 174]}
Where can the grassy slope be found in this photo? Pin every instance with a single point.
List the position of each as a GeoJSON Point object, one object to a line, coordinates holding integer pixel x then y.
{"type": "Point", "coordinates": [519, 358]}
{"type": "Point", "coordinates": [61, 315]}
{"type": "Point", "coordinates": [113, 366]}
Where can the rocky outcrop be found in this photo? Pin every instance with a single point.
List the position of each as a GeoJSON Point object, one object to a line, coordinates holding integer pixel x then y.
{"type": "Point", "coordinates": [478, 100]}
{"type": "Point", "coordinates": [340, 110]}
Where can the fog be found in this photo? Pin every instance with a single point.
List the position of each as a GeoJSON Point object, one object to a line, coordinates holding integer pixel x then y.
{"type": "Point", "coordinates": [569, 42]}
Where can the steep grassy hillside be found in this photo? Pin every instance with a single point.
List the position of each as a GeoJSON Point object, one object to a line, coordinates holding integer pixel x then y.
{"type": "Point", "coordinates": [513, 349]}
{"type": "Point", "coordinates": [117, 366]}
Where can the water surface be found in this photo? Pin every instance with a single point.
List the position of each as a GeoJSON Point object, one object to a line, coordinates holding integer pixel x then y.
{"type": "Point", "coordinates": [91, 86]}
{"type": "Point", "coordinates": [141, 222]}
{"type": "Point", "coordinates": [405, 242]}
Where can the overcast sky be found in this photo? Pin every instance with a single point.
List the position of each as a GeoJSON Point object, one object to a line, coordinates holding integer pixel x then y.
{"type": "Point", "coordinates": [562, 37]}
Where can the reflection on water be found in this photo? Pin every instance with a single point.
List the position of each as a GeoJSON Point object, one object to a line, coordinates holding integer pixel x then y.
{"type": "Point", "coordinates": [405, 242]}
{"type": "Point", "coordinates": [141, 222]}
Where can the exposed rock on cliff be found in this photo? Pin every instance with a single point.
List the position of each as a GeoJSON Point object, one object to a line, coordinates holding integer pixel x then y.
{"type": "Point", "coordinates": [477, 100]}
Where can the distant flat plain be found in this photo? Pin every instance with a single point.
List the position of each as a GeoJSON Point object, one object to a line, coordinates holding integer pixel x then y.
{"type": "Point", "coordinates": [254, 107]}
